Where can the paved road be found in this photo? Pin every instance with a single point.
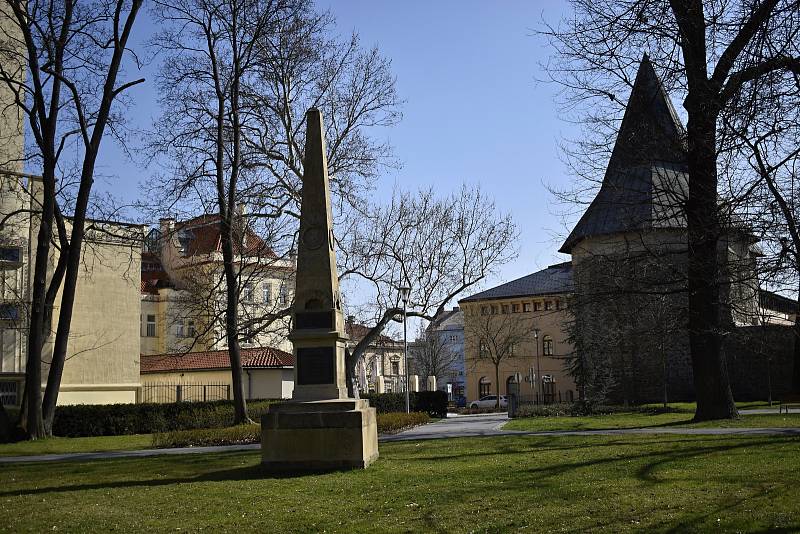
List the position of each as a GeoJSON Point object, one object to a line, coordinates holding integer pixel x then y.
{"type": "Point", "coordinates": [490, 425]}
{"type": "Point", "coordinates": [452, 427]}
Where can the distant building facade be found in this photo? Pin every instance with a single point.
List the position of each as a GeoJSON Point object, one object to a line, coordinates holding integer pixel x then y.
{"type": "Point", "coordinates": [448, 327]}
{"type": "Point", "coordinates": [381, 368]}
{"type": "Point", "coordinates": [538, 303]}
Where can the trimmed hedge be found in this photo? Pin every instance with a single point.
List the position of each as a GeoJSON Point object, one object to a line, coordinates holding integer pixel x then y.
{"type": "Point", "coordinates": [233, 435]}
{"type": "Point", "coordinates": [390, 423]}
{"type": "Point", "coordinates": [84, 420]}
{"type": "Point", "coordinates": [434, 403]}
{"type": "Point", "coordinates": [241, 434]}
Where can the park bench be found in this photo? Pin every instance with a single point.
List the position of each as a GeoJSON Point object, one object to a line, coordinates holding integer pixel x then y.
{"type": "Point", "coordinates": [789, 400]}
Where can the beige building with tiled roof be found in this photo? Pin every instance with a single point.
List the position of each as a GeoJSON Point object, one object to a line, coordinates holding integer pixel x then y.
{"type": "Point", "coordinates": [183, 301]}
{"type": "Point", "coordinates": [195, 376]}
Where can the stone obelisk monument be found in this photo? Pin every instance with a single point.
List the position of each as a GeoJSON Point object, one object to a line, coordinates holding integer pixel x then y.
{"type": "Point", "coordinates": [321, 428]}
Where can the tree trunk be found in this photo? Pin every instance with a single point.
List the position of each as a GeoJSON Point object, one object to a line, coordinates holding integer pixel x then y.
{"type": "Point", "coordinates": [33, 423]}
{"type": "Point", "coordinates": [711, 384]}
{"type": "Point", "coordinates": [67, 305]}
{"type": "Point", "coordinates": [6, 426]}
{"type": "Point", "coordinates": [497, 378]}
{"type": "Point", "coordinates": [796, 359]}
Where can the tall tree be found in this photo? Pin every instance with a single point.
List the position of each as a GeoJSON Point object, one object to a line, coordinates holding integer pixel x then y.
{"type": "Point", "coordinates": [210, 53]}
{"type": "Point", "coordinates": [73, 53]}
{"type": "Point", "coordinates": [233, 129]}
{"type": "Point", "coordinates": [710, 51]}
{"type": "Point", "coordinates": [437, 246]}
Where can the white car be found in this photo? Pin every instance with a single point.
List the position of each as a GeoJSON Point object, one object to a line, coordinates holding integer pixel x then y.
{"type": "Point", "coordinates": [489, 401]}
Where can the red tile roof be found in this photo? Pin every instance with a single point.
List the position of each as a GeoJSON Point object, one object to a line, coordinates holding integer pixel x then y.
{"type": "Point", "coordinates": [205, 235]}
{"type": "Point", "coordinates": [153, 274]}
{"type": "Point", "coordinates": [357, 332]}
{"type": "Point", "coordinates": [252, 358]}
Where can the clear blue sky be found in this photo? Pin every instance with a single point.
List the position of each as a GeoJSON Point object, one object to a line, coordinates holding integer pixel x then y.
{"type": "Point", "coordinates": [474, 111]}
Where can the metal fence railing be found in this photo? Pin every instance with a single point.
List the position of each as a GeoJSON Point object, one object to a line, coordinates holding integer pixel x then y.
{"type": "Point", "coordinates": [166, 393]}
{"type": "Point", "coordinates": [548, 393]}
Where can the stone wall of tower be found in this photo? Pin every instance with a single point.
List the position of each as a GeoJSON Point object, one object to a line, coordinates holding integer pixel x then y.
{"type": "Point", "coordinates": [630, 313]}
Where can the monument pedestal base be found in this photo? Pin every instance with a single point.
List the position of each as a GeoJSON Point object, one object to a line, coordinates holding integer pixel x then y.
{"type": "Point", "coordinates": [319, 436]}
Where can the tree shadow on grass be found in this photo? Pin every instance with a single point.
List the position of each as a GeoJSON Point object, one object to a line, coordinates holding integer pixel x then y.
{"type": "Point", "coordinates": [243, 473]}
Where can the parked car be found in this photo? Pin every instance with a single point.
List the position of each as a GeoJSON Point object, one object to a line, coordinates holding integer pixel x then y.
{"type": "Point", "coordinates": [489, 401]}
{"type": "Point", "coordinates": [461, 401]}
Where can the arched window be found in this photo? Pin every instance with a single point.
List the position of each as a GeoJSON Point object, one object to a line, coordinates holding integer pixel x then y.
{"type": "Point", "coordinates": [484, 387]}
{"type": "Point", "coordinates": [547, 346]}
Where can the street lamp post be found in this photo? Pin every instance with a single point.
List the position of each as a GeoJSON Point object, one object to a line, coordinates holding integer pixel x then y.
{"type": "Point", "coordinates": [404, 292]}
{"type": "Point", "coordinates": [538, 369]}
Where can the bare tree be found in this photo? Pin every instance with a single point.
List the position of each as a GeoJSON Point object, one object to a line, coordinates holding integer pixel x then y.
{"type": "Point", "coordinates": [239, 78]}
{"type": "Point", "coordinates": [495, 338]}
{"type": "Point", "coordinates": [73, 53]}
{"type": "Point", "coordinates": [211, 54]}
{"type": "Point", "coordinates": [438, 247]}
{"type": "Point", "coordinates": [710, 52]}
{"type": "Point", "coordinates": [432, 355]}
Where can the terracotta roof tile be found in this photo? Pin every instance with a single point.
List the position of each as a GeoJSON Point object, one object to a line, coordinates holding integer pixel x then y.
{"type": "Point", "coordinates": [357, 332]}
{"type": "Point", "coordinates": [205, 238]}
{"type": "Point", "coordinates": [258, 357]}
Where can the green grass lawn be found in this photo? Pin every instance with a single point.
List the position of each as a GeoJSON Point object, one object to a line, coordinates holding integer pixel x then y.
{"type": "Point", "coordinates": [65, 445]}
{"type": "Point", "coordinates": [691, 406]}
{"type": "Point", "coordinates": [644, 420]}
{"type": "Point", "coordinates": [616, 483]}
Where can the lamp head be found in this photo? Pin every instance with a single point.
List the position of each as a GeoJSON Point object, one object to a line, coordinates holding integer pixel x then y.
{"type": "Point", "coordinates": [405, 291]}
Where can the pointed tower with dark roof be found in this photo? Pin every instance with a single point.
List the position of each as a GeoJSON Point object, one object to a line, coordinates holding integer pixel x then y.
{"type": "Point", "coordinates": [646, 178]}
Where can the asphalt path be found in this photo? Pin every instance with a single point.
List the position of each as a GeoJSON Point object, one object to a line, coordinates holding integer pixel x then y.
{"type": "Point", "coordinates": [462, 426]}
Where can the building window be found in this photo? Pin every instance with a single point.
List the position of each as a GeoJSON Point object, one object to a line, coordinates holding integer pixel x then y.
{"type": "Point", "coordinates": [9, 312]}
{"type": "Point", "coordinates": [494, 310]}
{"type": "Point", "coordinates": [395, 368]}
{"type": "Point", "coordinates": [537, 306]}
{"type": "Point", "coordinates": [484, 387]}
{"type": "Point", "coordinates": [247, 334]}
{"type": "Point", "coordinates": [283, 294]}
{"type": "Point", "coordinates": [190, 329]}
{"type": "Point", "coordinates": [505, 308]}
{"type": "Point", "coordinates": [150, 327]}
{"type": "Point", "coordinates": [511, 349]}
{"type": "Point", "coordinates": [484, 310]}
{"type": "Point", "coordinates": [267, 290]}
{"type": "Point", "coordinates": [547, 346]}
{"type": "Point", "coordinates": [248, 295]}
{"type": "Point", "coordinates": [515, 308]}
{"type": "Point", "coordinates": [526, 306]}
{"type": "Point", "coordinates": [180, 330]}
{"type": "Point", "coordinates": [453, 338]}
{"type": "Point", "coordinates": [10, 254]}
{"type": "Point", "coordinates": [548, 305]}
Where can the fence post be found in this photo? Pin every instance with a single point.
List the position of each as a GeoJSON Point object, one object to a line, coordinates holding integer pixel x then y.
{"type": "Point", "coordinates": [204, 393]}
{"type": "Point", "coordinates": [228, 391]}
{"type": "Point", "coordinates": [178, 393]}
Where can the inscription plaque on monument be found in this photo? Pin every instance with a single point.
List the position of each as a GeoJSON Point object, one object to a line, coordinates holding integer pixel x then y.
{"type": "Point", "coordinates": [322, 319]}
{"type": "Point", "coordinates": [315, 365]}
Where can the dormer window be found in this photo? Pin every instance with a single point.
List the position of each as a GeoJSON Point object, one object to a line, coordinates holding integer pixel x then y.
{"type": "Point", "coordinates": [185, 238]}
